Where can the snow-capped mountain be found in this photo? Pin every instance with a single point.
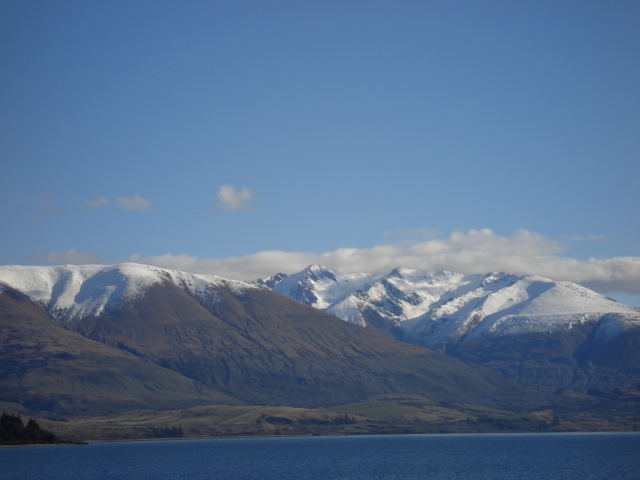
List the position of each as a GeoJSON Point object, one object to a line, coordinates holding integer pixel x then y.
{"type": "Point", "coordinates": [501, 304]}
{"type": "Point", "coordinates": [124, 333]}
{"type": "Point", "coordinates": [76, 291]}
{"type": "Point", "coordinates": [317, 285]}
{"type": "Point", "coordinates": [442, 306]}
{"type": "Point", "coordinates": [541, 332]}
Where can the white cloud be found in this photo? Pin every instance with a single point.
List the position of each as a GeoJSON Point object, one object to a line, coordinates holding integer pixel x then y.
{"type": "Point", "coordinates": [473, 251]}
{"type": "Point", "coordinates": [231, 199]}
{"type": "Point", "coordinates": [72, 257]}
{"type": "Point", "coordinates": [97, 202]}
{"type": "Point", "coordinates": [134, 202]}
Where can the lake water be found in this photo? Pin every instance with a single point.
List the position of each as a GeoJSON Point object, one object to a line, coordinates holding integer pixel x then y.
{"type": "Point", "coordinates": [392, 457]}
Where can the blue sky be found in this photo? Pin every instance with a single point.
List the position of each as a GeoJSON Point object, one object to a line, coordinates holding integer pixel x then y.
{"type": "Point", "coordinates": [327, 125]}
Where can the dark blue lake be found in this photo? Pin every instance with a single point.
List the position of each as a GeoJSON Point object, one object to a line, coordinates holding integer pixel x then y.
{"type": "Point", "coordinates": [397, 457]}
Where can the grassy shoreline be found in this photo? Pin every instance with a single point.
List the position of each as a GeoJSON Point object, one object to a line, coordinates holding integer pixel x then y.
{"type": "Point", "coordinates": [384, 415]}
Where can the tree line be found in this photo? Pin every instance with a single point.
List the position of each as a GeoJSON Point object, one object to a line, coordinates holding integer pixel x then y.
{"type": "Point", "coordinates": [14, 432]}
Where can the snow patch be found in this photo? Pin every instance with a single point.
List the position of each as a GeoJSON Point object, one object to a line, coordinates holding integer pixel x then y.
{"type": "Point", "coordinates": [77, 291]}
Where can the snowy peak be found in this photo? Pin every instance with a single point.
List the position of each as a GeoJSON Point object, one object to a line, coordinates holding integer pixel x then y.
{"type": "Point", "coordinates": [319, 272]}
{"type": "Point", "coordinates": [437, 307]}
{"type": "Point", "coordinates": [401, 295]}
{"type": "Point", "coordinates": [317, 285]}
{"type": "Point", "coordinates": [76, 291]}
{"type": "Point", "coordinates": [272, 281]}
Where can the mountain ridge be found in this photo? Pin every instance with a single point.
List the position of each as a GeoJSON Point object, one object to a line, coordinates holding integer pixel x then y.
{"type": "Point", "coordinates": [409, 298]}
{"type": "Point", "coordinates": [69, 291]}
{"type": "Point", "coordinates": [540, 332]}
{"type": "Point", "coordinates": [232, 339]}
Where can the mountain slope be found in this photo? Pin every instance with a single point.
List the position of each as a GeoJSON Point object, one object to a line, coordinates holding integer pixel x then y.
{"type": "Point", "coordinates": [45, 367]}
{"type": "Point", "coordinates": [246, 341]}
{"type": "Point", "coordinates": [532, 329]}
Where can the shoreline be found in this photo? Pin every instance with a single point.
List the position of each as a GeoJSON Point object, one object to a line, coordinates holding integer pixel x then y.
{"type": "Point", "coordinates": [246, 437]}
{"type": "Point", "coordinates": [55, 444]}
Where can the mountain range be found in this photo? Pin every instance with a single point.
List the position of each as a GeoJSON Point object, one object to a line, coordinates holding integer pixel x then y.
{"type": "Point", "coordinates": [88, 340]}
{"type": "Point", "coordinates": [543, 333]}
{"type": "Point", "coordinates": [419, 351]}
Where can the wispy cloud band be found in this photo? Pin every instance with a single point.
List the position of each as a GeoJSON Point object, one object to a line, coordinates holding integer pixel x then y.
{"type": "Point", "coordinates": [473, 251]}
